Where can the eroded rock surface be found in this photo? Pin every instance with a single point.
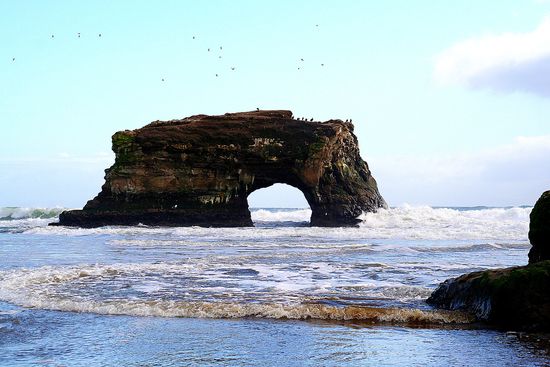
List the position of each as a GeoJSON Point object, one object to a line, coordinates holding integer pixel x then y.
{"type": "Point", "coordinates": [513, 298]}
{"type": "Point", "coordinates": [539, 229]}
{"type": "Point", "coordinates": [201, 169]}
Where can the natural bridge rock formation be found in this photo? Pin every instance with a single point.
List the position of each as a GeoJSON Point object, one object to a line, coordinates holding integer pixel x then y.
{"type": "Point", "coordinates": [201, 169]}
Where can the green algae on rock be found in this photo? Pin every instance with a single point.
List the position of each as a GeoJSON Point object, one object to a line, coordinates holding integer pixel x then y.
{"type": "Point", "coordinates": [514, 298]}
{"type": "Point", "coordinates": [200, 170]}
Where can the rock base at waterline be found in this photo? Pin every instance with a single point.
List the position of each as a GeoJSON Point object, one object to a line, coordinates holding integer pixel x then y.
{"type": "Point", "coordinates": [515, 298]}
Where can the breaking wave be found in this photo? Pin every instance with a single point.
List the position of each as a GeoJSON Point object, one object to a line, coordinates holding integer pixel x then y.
{"type": "Point", "coordinates": [424, 222]}
{"type": "Point", "coordinates": [407, 222]}
{"type": "Point", "coordinates": [305, 311]}
{"type": "Point", "coordinates": [136, 289]}
{"type": "Point", "coordinates": [17, 291]}
{"type": "Point", "coordinates": [280, 215]}
{"type": "Point", "coordinates": [283, 272]}
{"type": "Point", "coordinates": [14, 213]}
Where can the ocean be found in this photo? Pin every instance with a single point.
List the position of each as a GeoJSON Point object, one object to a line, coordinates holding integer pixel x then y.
{"type": "Point", "coordinates": [278, 294]}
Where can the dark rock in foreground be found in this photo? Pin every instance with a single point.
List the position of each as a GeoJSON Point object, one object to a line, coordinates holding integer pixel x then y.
{"type": "Point", "coordinates": [514, 298]}
{"type": "Point", "coordinates": [539, 229]}
{"type": "Point", "coordinates": [201, 169]}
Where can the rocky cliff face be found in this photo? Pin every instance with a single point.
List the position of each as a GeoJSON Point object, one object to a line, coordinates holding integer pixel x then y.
{"type": "Point", "coordinates": [201, 169]}
{"type": "Point", "coordinates": [539, 229]}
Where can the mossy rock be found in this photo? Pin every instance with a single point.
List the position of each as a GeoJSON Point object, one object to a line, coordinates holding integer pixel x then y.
{"type": "Point", "coordinates": [513, 298]}
{"type": "Point", "coordinates": [121, 139]}
{"type": "Point", "coordinates": [539, 229]}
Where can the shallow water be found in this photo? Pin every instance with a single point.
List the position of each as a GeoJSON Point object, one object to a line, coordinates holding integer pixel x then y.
{"type": "Point", "coordinates": [278, 294]}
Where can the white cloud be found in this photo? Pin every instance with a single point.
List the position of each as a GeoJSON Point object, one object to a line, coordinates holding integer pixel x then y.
{"type": "Point", "coordinates": [512, 174]}
{"type": "Point", "coordinates": [505, 62]}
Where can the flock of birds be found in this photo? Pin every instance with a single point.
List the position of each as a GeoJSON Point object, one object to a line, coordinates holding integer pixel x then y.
{"type": "Point", "coordinates": [311, 119]}
{"type": "Point", "coordinates": [219, 57]}
{"type": "Point", "coordinates": [305, 119]}
{"type": "Point", "coordinates": [232, 68]}
{"type": "Point", "coordinates": [53, 36]}
{"type": "Point", "coordinates": [302, 60]}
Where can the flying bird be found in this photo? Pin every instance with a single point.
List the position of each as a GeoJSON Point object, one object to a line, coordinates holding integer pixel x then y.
{"type": "Point", "coordinates": [78, 34]}
{"type": "Point", "coordinates": [216, 75]}
{"type": "Point", "coordinates": [52, 36]}
{"type": "Point", "coordinates": [311, 119]}
{"type": "Point", "coordinates": [193, 37]}
{"type": "Point", "coordinates": [208, 50]}
{"type": "Point", "coordinates": [220, 47]}
{"type": "Point", "coordinates": [301, 59]}
{"type": "Point", "coordinates": [13, 59]}
{"type": "Point", "coordinates": [233, 68]}
{"type": "Point", "coordinates": [162, 79]}
{"type": "Point", "coordinates": [322, 64]}
{"type": "Point", "coordinates": [219, 57]}
{"type": "Point", "coordinates": [100, 35]}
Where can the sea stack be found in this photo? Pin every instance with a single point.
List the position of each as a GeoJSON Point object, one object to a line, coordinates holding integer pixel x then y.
{"type": "Point", "coordinates": [200, 170]}
{"type": "Point", "coordinates": [513, 298]}
{"type": "Point", "coordinates": [539, 229]}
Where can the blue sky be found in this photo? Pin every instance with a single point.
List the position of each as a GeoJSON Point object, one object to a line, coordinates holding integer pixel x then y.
{"type": "Point", "coordinates": [449, 99]}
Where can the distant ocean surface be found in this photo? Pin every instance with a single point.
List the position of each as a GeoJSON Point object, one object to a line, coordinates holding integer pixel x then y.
{"type": "Point", "coordinates": [280, 293]}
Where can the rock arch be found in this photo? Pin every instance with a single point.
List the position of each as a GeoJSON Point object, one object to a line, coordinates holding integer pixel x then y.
{"type": "Point", "coordinates": [201, 169]}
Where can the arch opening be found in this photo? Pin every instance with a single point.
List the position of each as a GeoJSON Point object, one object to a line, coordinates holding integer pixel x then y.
{"type": "Point", "coordinates": [279, 205]}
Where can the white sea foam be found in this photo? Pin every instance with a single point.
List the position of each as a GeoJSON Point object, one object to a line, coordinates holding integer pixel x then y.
{"type": "Point", "coordinates": [393, 259]}
{"type": "Point", "coordinates": [263, 215]}
{"type": "Point", "coordinates": [301, 311]}
{"type": "Point", "coordinates": [199, 280]}
{"type": "Point", "coordinates": [13, 213]}
{"type": "Point", "coordinates": [424, 222]}
{"type": "Point", "coordinates": [408, 222]}
{"type": "Point", "coordinates": [50, 288]}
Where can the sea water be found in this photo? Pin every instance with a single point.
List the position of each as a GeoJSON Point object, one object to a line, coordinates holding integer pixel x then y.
{"type": "Point", "coordinates": [280, 293]}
